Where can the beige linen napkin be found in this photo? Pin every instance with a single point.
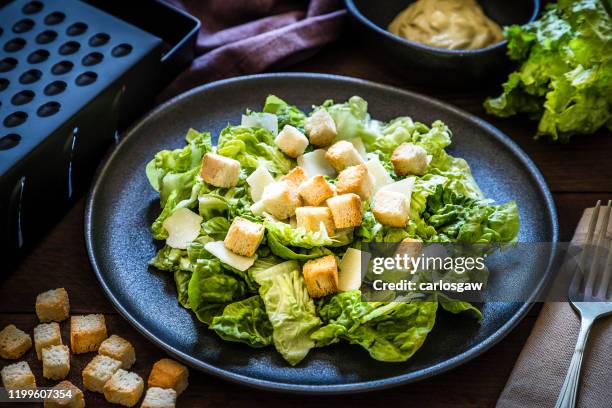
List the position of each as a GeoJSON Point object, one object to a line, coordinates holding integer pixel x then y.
{"type": "Point", "coordinates": [542, 365]}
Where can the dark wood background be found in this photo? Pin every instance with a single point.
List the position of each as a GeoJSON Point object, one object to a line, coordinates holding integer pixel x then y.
{"type": "Point", "coordinates": [578, 173]}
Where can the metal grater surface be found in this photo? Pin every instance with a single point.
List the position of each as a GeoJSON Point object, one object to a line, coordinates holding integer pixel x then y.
{"type": "Point", "coordinates": [56, 56]}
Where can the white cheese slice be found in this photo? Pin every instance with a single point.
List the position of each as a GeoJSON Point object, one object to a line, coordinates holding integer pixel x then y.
{"type": "Point", "coordinates": [403, 186]}
{"type": "Point", "coordinates": [349, 274]}
{"type": "Point", "coordinates": [183, 227]}
{"type": "Point", "coordinates": [315, 164]}
{"type": "Point", "coordinates": [258, 208]}
{"type": "Point", "coordinates": [378, 172]}
{"type": "Point", "coordinates": [262, 120]}
{"type": "Point", "coordinates": [360, 147]}
{"type": "Point", "coordinates": [258, 180]}
{"type": "Point", "coordinates": [218, 249]}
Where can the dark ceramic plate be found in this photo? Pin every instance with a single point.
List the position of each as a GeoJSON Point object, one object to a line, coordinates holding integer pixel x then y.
{"type": "Point", "coordinates": [122, 205]}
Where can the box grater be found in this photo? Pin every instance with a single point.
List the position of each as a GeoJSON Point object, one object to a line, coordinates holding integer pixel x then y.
{"type": "Point", "coordinates": [71, 76]}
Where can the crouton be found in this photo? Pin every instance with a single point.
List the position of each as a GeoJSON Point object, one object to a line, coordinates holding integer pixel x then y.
{"type": "Point", "coordinates": [295, 177]}
{"type": "Point", "coordinates": [343, 154]}
{"type": "Point", "coordinates": [391, 208]}
{"type": "Point", "coordinates": [120, 349]}
{"type": "Point", "coordinates": [409, 247]}
{"type": "Point", "coordinates": [310, 218]}
{"type": "Point", "coordinates": [159, 398]}
{"type": "Point", "coordinates": [291, 141]}
{"type": "Point", "coordinates": [280, 200]}
{"type": "Point", "coordinates": [18, 376]}
{"type": "Point", "coordinates": [69, 396]}
{"type": "Point", "coordinates": [98, 371]}
{"type": "Point", "coordinates": [87, 333]}
{"type": "Point", "coordinates": [320, 128]}
{"type": "Point", "coordinates": [53, 305]}
{"type": "Point", "coordinates": [56, 362]}
{"type": "Point", "coordinates": [46, 334]}
{"type": "Point", "coordinates": [124, 388]}
{"type": "Point", "coordinates": [315, 190]}
{"type": "Point", "coordinates": [244, 236]}
{"type": "Point", "coordinates": [167, 373]}
{"type": "Point", "coordinates": [408, 159]}
{"type": "Point", "coordinates": [355, 179]}
{"type": "Point", "coordinates": [346, 210]}
{"type": "Point", "coordinates": [14, 342]}
{"type": "Point", "coordinates": [321, 276]}
{"type": "Point", "coordinates": [220, 171]}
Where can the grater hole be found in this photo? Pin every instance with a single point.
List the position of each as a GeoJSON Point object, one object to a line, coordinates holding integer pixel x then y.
{"type": "Point", "coordinates": [15, 119]}
{"type": "Point", "coordinates": [38, 56]}
{"type": "Point", "coordinates": [32, 7]}
{"type": "Point", "coordinates": [30, 76]}
{"type": "Point", "coordinates": [7, 64]}
{"type": "Point", "coordinates": [69, 47]}
{"type": "Point", "coordinates": [62, 67]}
{"type": "Point", "coordinates": [48, 109]}
{"type": "Point", "coordinates": [23, 97]}
{"type": "Point", "coordinates": [46, 37]}
{"type": "Point", "coordinates": [4, 83]}
{"type": "Point", "coordinates": [121, 50]}
{"type": "Point", "coordinates": [23, 26]}
{"type": "Point", "coordinates": [9, 141]}
{"type": "Point", "coordinates": [14, 45]}
{"type": "Point", "coordinates": [54, 18]}
{"type": "Point", "coordinates": [86, 78]}
{"type": "Point", "coordinates": [92, 59]}
{"type": "Point", "coordinates": [76, 29]}
{"type": "Point", "coordinates": [55, 88]}
{"type": "Point", "coordinates": [99, 39]}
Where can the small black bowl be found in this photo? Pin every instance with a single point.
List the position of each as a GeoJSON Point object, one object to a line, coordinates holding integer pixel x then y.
{"type": "Point", "coordinates": [430, 65]}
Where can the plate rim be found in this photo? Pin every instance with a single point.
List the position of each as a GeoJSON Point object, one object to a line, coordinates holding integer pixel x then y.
{"type": "Point", "coordinates": [334, 389]}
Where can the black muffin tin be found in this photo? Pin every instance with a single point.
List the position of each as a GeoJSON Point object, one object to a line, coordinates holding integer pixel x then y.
{"type": "Point", "coordinates": [72, 75]}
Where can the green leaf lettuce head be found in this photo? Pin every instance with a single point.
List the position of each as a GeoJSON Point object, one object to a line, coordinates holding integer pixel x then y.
{"type": "Point", "coordinates": [565, 73]}
{"type": "Point", "coordinates": [245, 322]}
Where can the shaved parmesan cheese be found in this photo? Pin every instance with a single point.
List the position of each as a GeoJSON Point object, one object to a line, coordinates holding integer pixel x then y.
{"type": "Point", "coordinates": [183, 227]}
{"type": "Point", "coordinates": [218, 249]}
{"type": "Point", "coordinates": [258, 208]}
{"type": "Point", "coordinates": [261, 120]}
{"type": "Point", "coordinates": [403, 186]}
{"type": "Point", "coordinates": [378, 172]}
{"type": "Point", "coordinates": [258, 180]}
{"type": "Point", "coordinates": [349, 274]}
{"type": "Point", "coordinates": [315, 164]}
{"type": "Point", "coordinates": [359, 146]}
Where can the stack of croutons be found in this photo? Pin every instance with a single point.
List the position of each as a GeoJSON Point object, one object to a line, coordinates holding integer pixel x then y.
{"type": "Point", "coordinates": [106, 373]}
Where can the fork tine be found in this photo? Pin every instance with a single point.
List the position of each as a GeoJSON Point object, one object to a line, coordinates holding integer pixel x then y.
{"type": "Point", "coordinates": [589, 240]}
{"type": "Point", "coordinates": [605, 279]}
{"type": "Point", "coordinates": [592, 273]}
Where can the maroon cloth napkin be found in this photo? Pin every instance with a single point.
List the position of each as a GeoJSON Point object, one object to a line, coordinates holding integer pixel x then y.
{"type": "Point", "coordinates": [241, 37]}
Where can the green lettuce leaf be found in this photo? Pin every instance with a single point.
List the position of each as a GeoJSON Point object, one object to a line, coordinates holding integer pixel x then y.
{"type": "Point", "coordinates": [284, 252]}
{"type": "Point", "coordinates": [286, 235]}
{"type": "Point", "coordinates": [286, 114]}
{"type": "Point", "coordinates": [245, 322]}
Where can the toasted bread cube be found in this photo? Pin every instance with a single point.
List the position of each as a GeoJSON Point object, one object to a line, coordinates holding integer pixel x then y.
{"type": "Point", "coordinates": [159, 398]}
{"type": "Point", "coordinates": [220, 171]}
{"type": "Point", "coordinates": [280, 200]}
{"type": "Point", "coordinates": [295, 177]}
{"type": "Point", "coordinates": [167, 373]}
{"type": "Point", "coordinates": [119, 349]}
{"type": "Point", "coordinates": [346, 210]}
{"type": "Point", "coordinates": [87, 333]}
{"type": "Point", "coordinates": [391, 208]}
{"type": "Point", "coordinates": [343, 154]}
{"type": "Point", "coordinates": [98, 371]}
{"type": "Point", "coordinates": [53, 305]}
{"type": "Point", "coordinates": [69, 396]}
{"type": "Point", "coordinates": [124, 388]}
{"type": "Point", "coordinates": [56, 362]}
{"type": "Point", "coordinates": [14, 342]}
{"type": "Point", "coordinates": [244, 236]}
{"type": "Point", "coordinates": [321, 276]}
{"type": "Point", "coordinates": [45, 335]}
{"type": "Point", "coordinates": [18, 376]}
{"type": "Point", "coordinates": [320, 128]}
{"type": "Point", "coordinates": [311, 218]}
{"type": "Point", "coordinates": [315, 191]}
{"type": "Point", "coordinates": [408, 159]}
{"type": "Point", "coordinates": [291, 141]}
{"type": "Point", "coordinates": [355, 179]}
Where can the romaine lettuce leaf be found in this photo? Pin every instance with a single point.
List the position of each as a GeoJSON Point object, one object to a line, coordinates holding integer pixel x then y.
{"type": "Point", "coordinates": [286, 235]}
{"type": "Point", "coordinates": [245, 321]}
{"type": "Point", "coordinates": [286, 114]}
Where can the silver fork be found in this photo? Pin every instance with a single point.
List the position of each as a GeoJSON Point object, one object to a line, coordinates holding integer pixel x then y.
{"type": "Point", "coordinates": [588, 294]}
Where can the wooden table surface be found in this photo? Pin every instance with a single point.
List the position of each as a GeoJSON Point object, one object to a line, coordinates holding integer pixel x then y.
{"type": "Point", "coordinates": [578, 173]}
